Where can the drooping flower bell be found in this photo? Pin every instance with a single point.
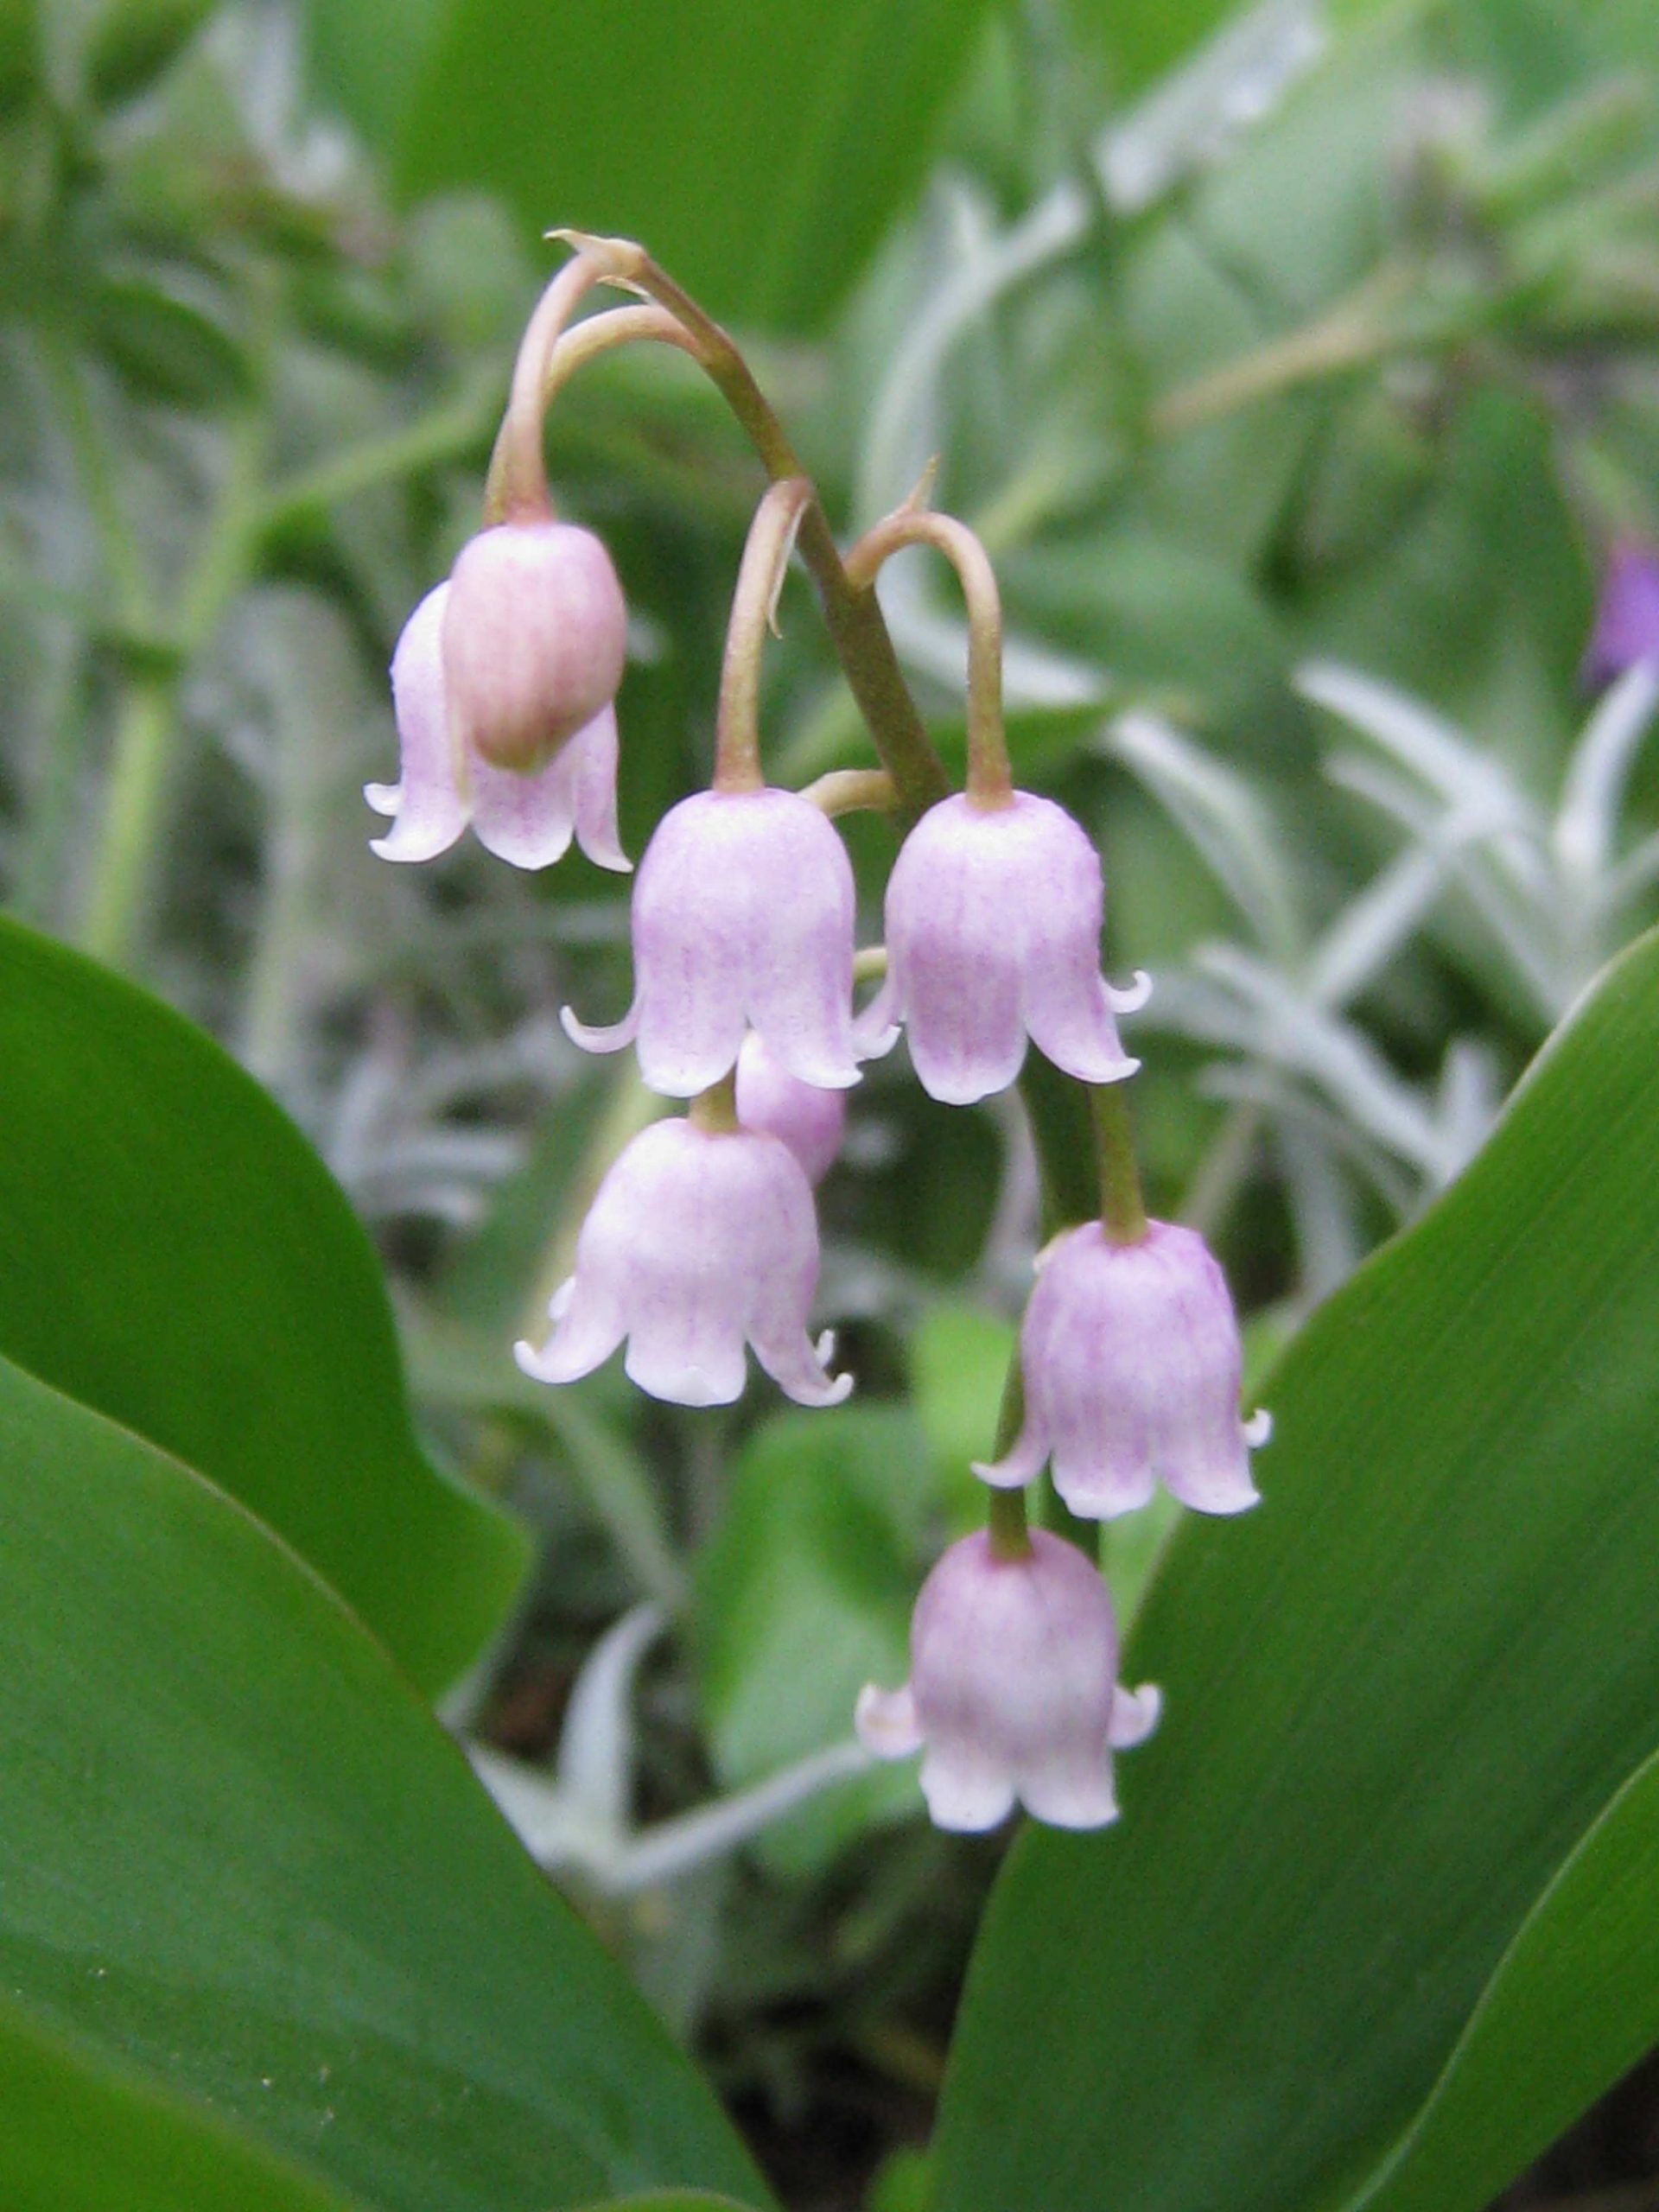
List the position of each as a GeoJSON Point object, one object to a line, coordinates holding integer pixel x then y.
{"type": "Point", "coordinates": [742, 916]}
{"type": "Point", "coordinates": [698, 1242]}
{"type": "Point", "coordinates": [1014, 1689]}
{"type": "Point", "coordinates": [810, 1121]}
{"type": "Point", "coordinates": [528, 820]}
{"type": "Point", "coordinates": [993, 933]}
{"type": "Point", "coordinates": [535, 634]}
{"type": "Point", "coordinates": [1130, 1359]}
{"type": "Point", "coordinates": [1627, 615]}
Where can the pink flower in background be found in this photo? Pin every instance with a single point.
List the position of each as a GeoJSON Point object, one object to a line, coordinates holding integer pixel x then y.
{"type": "Point", "coordinates": [1627, 615]}
{"type": "Point", "coordinates": [1130, 1357]}
{"type": "Point", "coordinates": [528, 820]}
{"type": "Point", "coordinates": [1014, 1690]}
{"type": "Point", "coordinates": [742, 915]}
{"type": "Point", "coordinates": [535, 634]}
{"type": "Point", "coordinates": [993, 931]}
{"type": "Point", "coordinates": [698, 1242]}
{"type": "Point", "coordinates": [810, 1121]}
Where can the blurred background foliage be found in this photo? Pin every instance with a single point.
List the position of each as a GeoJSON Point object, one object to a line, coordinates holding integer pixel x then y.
{"type": "Point", "coordinates": [1298, 364]}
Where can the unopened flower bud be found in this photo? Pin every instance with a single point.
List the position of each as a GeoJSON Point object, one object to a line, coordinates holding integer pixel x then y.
{"type": "Point", "coordinates": [993, 934]}
{"type": "Point", "coordinates": [696, 1243]}
{"type": "Point", "coordinates": [1627, 615]}
{"type": "Point", "coordinates": [809, 1120]}
{"type": "Point", "coordinates": [528, 820]}
{"type": "Point", "coordinates": [742, 916]}
{"type": "Point", "coordinates": [1130, 1359]}
{"type": "Point", "coordinates": [1013, 1689]}
{"type": "Point", "coordinates": [535, 635]}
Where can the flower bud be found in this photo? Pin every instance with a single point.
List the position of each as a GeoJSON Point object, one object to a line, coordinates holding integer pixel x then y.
{"type": "Point", "coordinates": [697, 1242]}
{"type": "Point", "coordinates": [1130, 1359]}
{"type": "Point", "coordinates": [1627, 615]}
{"type": "Point", "coordinates": [809, 1120]}
{"type": "Point", "coordinates": [1013, 1689]}
{"type": "Point", "coordinates": [535, 634]}
{"type": "Point", "coordinates": [528, 820]}
{"type": "Point", "coordinates": [992, 933]}
{"type": "Point", "coordinates": [742, 916]}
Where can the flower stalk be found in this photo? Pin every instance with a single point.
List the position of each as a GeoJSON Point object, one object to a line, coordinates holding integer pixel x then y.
{"type": "Point", "coordinates": [754, 611]}
{"type": "Point", "coordinates": [991, 783]}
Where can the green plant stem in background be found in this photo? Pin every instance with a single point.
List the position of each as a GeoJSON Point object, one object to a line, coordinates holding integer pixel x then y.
{"type": "Point", "coordinates": [1006, 1519]}
{"type": "Point", "coordinates": [147, 729]}
{"type": "Point", "coordinates": [1358, 330]}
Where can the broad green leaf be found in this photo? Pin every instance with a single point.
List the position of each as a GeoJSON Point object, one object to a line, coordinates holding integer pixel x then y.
{"type": "Point", "coordinates": [670, 2199]}
{"type": "Point", "coordinates": [183, 1262]}
{"type": "Point", "coordinates": [1396, 1696]}
{"type": "Point", "coordinates": [759, 151]}
{"type": "Point", "coordinates": [79, 2137]}
{"type": "Point", "coordinates": [1574, 2002]}
{"type": "Point", "coordinates": [1141, 40]}
{"type": "Point", "coordinates": [803, 1595]}
{"type": "Point", "coordinates": [239, 1854]}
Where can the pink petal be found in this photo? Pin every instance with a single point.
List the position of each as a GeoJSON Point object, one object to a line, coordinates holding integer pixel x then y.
{"type": "Point", "coordinates": [885, 1722]}
{"type": "Point", "coordinates": [430, 812]}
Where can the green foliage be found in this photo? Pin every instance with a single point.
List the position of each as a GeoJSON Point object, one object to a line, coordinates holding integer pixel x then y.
{"type": "Point", "coordinates": [240, 1855]}
{"type": "Point", "coordinates": [195, 1275]}
{"type": "Point", "coordinates": [759, 151]}
{"type": "Point", "coordinates": [803, 1595]}
{"type": "Point", "coordinates": [62, 2117]}
{"type": "Point", "coordinates": [1574, 2002]}
{"type": "Point", "coordinates": [1396, 1696]}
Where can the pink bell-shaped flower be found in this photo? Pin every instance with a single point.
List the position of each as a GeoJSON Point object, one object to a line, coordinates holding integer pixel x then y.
{"type": "Point", "coordinates": [992, 927]}
{"type": "Point", "coordinates": [535, 634]}
{"type": "Point", "coordinates": [1131, 1360]}
{"type": "Point", "coordinates": [528, 820]}
{"type": "Point", "coordinates": [1013, 1689]}
{"type": "Point", "coordinates": [697, 1242]}
{"type": "Point", "coordinates": [742, 915]}
{"type": "Point", "coordinates": [812, 1122]}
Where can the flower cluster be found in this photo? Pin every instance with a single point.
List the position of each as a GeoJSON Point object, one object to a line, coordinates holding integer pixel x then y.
{"type": "Point", "coordinates": [702, 1242]}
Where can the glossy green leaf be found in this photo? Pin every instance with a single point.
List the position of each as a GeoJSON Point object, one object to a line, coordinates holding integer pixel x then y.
{"type": "Point", "coordinates": [670, 2199]}
{"type": "Point", "coordinates": [803, 1595]}
{"type": "Point", "coordinates": [759, 151]}
{"type": "Point", "coordinates": [239, 1854]}
{"type": "Point", "coordinates": [1396, 1696]}
{"type": "Point", "coordinates": [79, 2137]}
{"type": "Point", "coordinates": [1141, 40]}
{"type": "Point", "coordinates": [183, 1262]}
{"type": "Point", "coordinates": [1574, 2003]}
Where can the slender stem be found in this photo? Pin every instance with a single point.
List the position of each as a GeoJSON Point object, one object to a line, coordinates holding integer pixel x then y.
{"type": "Point", "coordinates": [445, 432]}
{"type": "Point", "coordinates": [516, 489]}
{"type": "Point", "coordinates": [1006, 1516]}
{"type": "Point", "coordinates": [1006, 1522]}
{"type": "Point", "coordinates": [856, 628]}
{"type": "Point", "coordinates": [990, 782]}
{"type": "Point", "coordinates": [1354, 332]}
{"type": "Point", "coordinates": [852, 790]}
{"type": "Point", "coordinates": [132, 803]}
{"type": "Point", "coordinates": [146, 737]}
{"type": "Point", "coordinates": [870, 965]}
{"type": "Point", "coordinates": [602, 334]}
{"type": "Point", "coordinates": [97, 468]}
{"type": "Point", "coordinates": [754, 609]}
{"type": "Point", "coordinates": [714, 1110]}
{"type": "Point", "coordinates": [1123, 1209]}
